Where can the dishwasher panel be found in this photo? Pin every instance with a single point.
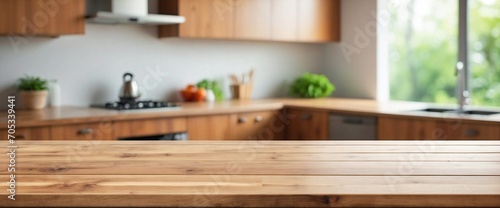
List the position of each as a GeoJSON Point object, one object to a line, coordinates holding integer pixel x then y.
{"type": "Point", "coordinates": [350, 127]}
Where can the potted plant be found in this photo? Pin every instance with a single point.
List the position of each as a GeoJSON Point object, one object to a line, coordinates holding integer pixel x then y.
{"type": "Point", "coordinates": [33, 92]}
{"type": "Point", "coordinates": [312, 86]}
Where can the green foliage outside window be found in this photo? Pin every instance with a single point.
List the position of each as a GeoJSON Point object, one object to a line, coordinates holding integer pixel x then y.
{"type": "Point", "coordinates": [423, 47]}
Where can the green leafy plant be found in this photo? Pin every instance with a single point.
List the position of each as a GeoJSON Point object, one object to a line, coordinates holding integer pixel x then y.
{"type": "Point", "coordinates": [32, 83]}
{"type": "Point", "coordinates": [312, 86]}
{"type": "Point", "coordinates": [214, 86]}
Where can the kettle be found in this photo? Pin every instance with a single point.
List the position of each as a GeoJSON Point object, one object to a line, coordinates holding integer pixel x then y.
{"type": "Point", "coordinates": [129, 91]}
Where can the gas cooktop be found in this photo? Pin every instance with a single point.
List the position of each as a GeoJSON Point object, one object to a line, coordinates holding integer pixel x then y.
{"type": "Point", "coordinates": [133, 105]}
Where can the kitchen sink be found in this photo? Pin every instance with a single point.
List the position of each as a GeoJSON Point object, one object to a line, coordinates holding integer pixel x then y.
{"type": "Point", "coordinates": [437, 110]}
{"type": "Point", "coordinates": [480, 112]}
{"type": "Point", "coordinates": [469, 112]}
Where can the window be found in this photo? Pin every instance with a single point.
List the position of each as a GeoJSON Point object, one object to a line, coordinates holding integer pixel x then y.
{"type": "Point", "coordinates": [424, 49]}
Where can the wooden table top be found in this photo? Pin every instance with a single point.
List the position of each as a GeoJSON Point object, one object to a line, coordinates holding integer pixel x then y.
{"type": "Point", "coordinates": [254, 174]}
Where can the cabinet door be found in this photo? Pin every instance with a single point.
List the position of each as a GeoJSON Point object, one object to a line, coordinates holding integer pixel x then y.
{"type": "Point", "coordinates": [42, 18]}
{"type": "Point", "coordinates": [149, 127]}
{"type": "Point", "coordinates": [208, 127]}
{"type": "Point", "coordinates": [256, 126]}
{"type": "Point", "coordinates": [319, 20]}
{"type": "Point", "coordinates": [307, 125]}
{"type": "Point", "coordinates": [390, 128]}
{"type": "Point", "coordinates": [29, 133]}
{"type": "Point", "coordinates": [281, 20]}
{"type": "Point", "coordinates": [7, 20]}
{"type": "Point", "coordinates": [253, 19]}
{"type": "Point", "coordinates": [470, 131]}
{"type": "Point", "coordinates": [284, 19]}
{"type": "Point", "coordinates": [89, 131]}
{"type": "Point", "coordinates": [207, 18]}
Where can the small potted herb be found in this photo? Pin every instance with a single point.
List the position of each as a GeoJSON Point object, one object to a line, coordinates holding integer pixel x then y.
{"type": "Point", "coordinates": [312, 86]}
{"type": "Point", "coordinates": [33, 92]}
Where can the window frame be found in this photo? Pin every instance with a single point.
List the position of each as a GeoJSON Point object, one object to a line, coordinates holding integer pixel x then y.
{"type": "Point", "coordinates": [463, 50]}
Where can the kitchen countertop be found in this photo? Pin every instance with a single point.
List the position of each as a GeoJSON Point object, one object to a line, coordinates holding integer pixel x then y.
{"type": "Point", "coordinates": [70, 115]}
{"type": "Point", "coordinates": [254, 174]}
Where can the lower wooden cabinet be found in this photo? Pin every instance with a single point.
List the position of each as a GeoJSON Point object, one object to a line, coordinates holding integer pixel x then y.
{"type": "Point", "coordinates": [31, 133]}
{"type": "Point", "coordinates": [391, 128]}
{"type": "Point", "coordinates": [149, 127]}
{"type": "Point", "coordinates": [264, 125]}
{"type": "Point", "coordinates": [402, 128]}
{"type": "Point", "coordinates": [214, 127]}
{"type": "Point", "coordinates": [306, 124]}
{"type": "Point", "coordinates": [289, 124]}
{"type": "Point", "coordinates": [88, 131]}
{"type": "Point", "coordinates": [469, 131]}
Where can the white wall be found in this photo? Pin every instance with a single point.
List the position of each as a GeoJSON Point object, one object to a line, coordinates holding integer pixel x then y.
{"type": "Point", "coordinates": [355, 74]}
{"type": "Point", "coordinates": [89, 67]}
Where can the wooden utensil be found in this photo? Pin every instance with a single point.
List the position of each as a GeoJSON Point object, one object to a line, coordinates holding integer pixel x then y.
{"type": "Point", "coordinates": [252, 72]}
{"type": "Point", "coordinates": [234, 79]}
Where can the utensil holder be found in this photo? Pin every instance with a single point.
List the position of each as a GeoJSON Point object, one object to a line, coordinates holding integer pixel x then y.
{"type": "Point", "coordinates": [242, 92]}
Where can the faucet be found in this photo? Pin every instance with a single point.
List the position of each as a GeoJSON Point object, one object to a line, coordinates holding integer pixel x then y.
{"type": "Point", "coordinates": [462, 92]}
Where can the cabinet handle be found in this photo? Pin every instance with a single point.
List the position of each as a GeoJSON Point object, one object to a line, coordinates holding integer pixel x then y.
{"type": "Point", "coordinates": [20, 137]}
{"type": "Point", "coordinates": [471, 132]}
{"type": "Point", "coordinates": [258, 119]}
{"type": "Point", "coordinates": [242, 119]}
{"type": "Point", "coordinates": [306, 116]}
{"type": "Point", "coordinates": [354, 121]}
{"type": "Point", "coordinates": [85, 131]}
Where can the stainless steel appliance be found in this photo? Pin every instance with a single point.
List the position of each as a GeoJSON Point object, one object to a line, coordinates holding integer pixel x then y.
{"type": "Point", "coordinates": [351, 127]}
{"type": "Point", "coordinates": [129, 91]}
{"type": "Point", "coordinates": [180, 136]}
{"type": "Point", "coordinates": [133, 105]}
{"type": "Point", "coordinates": [127, 12]}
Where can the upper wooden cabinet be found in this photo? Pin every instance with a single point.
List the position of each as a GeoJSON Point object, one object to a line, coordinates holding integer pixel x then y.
{"type": "Point", "coordinates": [278, 20]}
{"type": "Point", "coordinates": [206, 19]}
{"type": "Point", "coordinates": [42, 17]}
{"type": "Point", "coordinates": [252, 19]}
{"type": "Point", "coordinates": [284, 19]}
{"type": "Point", "coordinates": [319, 20]}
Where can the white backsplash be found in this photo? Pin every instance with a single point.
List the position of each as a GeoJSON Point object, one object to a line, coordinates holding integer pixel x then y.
{"type": "Point", "coordinates": [89, 67]}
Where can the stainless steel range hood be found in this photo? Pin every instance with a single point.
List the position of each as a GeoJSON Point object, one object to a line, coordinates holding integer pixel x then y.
{"type": "Point", "coordinates": [133, 12]}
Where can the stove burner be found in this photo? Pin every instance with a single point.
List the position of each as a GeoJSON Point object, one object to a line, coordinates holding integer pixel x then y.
{"type": "Point", "coordinates": [147, 104]}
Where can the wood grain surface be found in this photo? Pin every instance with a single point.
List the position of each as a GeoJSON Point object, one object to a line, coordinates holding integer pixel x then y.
{"type": "Point", "coordinates": [214, 127]}
{"type": "Point", "coordinates": [42, 18]}
{"type": "Point", "coordinates": [255, 174]}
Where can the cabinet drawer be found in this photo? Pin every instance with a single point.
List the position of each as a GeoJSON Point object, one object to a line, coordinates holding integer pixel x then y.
{"type": "Point", "coordinates": [470, 131]}
{"type": "Point", "coordinates": [149, 127]}
{"type": "Point", "coordinates": [307, 125]}
{"type": "Point", "coordinates": [35, 133]}
{"type": "Point", "coordinates": [256, 126]}
{"type": "Point", "coordinates": [89, 131]}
